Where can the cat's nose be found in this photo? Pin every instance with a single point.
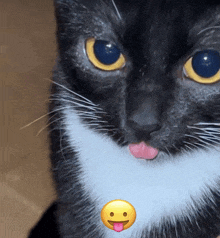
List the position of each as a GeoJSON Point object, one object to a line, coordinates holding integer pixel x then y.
{"type": "Point", "coordinates": [146, 128]}
{"type": "Point", "coordinates": [144, 122]}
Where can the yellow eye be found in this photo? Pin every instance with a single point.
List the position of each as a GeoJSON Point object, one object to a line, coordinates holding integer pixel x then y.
{"type": "Point", "coordinates": [204, 67]}
{"type": "Point", "coordinates": [104, 55]}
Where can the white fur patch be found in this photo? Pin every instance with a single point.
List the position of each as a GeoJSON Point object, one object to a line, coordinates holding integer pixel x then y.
{"type": "Point", "coordinates": [154, 189]}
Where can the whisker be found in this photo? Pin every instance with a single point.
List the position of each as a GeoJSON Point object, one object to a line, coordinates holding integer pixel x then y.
{"type": "Point", "coordinates": [211, 136]}
{"type": "Point", "coordinates": [21, 128]}
{"type": "Point", "coordinates": [204, 140]}
{"type": "Point", "coordinates": [72, 99]}
{"type": "Point", "coordinates": [82, 116]}
{"type": "Point", "coordinates": [46, 125]}
{"type": "Point", "coordinates": [119, 139]}
{"type": "Point", "coordinates": [207, 123]}
{"type": "Point", "coordinates": [56, 128]}
{"type": "Point", "coordinates": [197, 138]}
{"type": "Point", "coordinates": [190, 144]}
{"type": "Point", "coordinates": [74, 93]}
{"type": "Point", "coordinates": [209, 139]}
{"type": "Point", "coordinates": [94, 124]}
{"type": "Point", "coordinates": [167, 150]}
{"type": "Point", "coordinates": [61, 136]}
{"type": "Point", "coordinates": [207, 133]}
{"type": "Point", "coordinates": [189, 148]}
{"type": "Point", "coordinates": [59, 109]}
{"type": "Point", "coordinates": [62, 98]}
{"type": "Point", "coordinates": [116, 9]}
{"type": "Point", "coordinates": [207, 129]}
{"type": "Point", "coordinates": [209, 28]}
{"type": "Point", "coordinates": [64, 148]}
{"type": "Point", "coordinates": [60, 118]}
{"type": "Point", "coordinates": [85, 112]}
{"type": "Point", "coordinates": [203, 145]}
{"type": "Point", "coordinates": [75, 103]}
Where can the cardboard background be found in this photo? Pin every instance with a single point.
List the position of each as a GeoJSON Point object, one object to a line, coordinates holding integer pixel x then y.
{"type": "Point", "coordinates": [27, 56]}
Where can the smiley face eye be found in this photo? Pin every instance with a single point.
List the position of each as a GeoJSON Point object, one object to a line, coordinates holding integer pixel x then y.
{"type": "Point", "coordinates": [111, 214]}
{"type": "Point", "coordinates": [125, 214]}
{"type": "Point", "coordinates": [104, 55]}
{"type": "Point", "coordinates": [204, 67]}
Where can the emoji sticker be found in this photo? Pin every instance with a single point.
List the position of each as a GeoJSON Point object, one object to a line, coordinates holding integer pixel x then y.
{"type": "Point", "coordinates": [118, 215]}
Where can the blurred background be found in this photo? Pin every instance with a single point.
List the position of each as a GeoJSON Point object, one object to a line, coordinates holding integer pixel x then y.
{"type": "Point", "coordinates": [27, 56]}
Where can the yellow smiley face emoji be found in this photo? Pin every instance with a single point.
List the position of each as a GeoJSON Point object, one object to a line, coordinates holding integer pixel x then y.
{"type": "Point", "coordinates": [118, 215]}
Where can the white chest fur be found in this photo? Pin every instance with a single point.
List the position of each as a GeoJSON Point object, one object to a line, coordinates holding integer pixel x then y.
{"type": "Point", "coordinates": [154, 189]}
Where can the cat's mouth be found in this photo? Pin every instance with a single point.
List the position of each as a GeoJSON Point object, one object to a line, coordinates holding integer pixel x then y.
{"type": "Point", "coordinates": [143, 151]}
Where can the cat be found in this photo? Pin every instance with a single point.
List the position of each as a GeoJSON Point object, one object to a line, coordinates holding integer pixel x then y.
{"type": "Point", "coordinates": [135, 115]}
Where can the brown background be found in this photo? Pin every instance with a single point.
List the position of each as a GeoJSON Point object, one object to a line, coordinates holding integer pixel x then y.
{"type": "Point", "coordinates": [27, 55]}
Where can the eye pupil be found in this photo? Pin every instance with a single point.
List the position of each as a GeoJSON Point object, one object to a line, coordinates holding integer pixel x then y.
{"type": "Point", "coordinates": [206, 63]}
{"type": "Point", "coordinates": [106, 52]}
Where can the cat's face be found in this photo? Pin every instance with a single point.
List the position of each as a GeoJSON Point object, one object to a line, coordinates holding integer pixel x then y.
{"type": "Point", "coordinates": [143, 88]}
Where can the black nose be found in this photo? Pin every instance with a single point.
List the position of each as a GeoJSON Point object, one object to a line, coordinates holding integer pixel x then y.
{"type": "Point", "coordinates": [146, 128]}
{"type": "Point", "coordinates": [144, 122]}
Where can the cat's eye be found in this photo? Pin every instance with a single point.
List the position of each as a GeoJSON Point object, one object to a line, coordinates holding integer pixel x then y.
{"type": "Point", "coordinates": [104, 55]}
{"type": "Point", "coordinates": [204, 67]}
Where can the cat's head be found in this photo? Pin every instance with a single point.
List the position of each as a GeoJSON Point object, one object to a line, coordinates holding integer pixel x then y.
{"type": "Point", "coordinates": [144, 70]}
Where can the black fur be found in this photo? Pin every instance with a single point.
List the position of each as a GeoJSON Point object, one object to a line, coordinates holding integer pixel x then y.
{"type": "Point", "coordinates": [47, 226]}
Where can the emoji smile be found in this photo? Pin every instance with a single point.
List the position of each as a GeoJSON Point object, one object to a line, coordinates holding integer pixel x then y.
{"type": "Point", "coordinates": [118, 215]}
{"type": "Point", "coordinates": [112, 222]}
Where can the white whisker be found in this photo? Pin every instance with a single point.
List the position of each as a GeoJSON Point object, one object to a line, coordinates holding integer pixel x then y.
{"type": "Point", "coordinates": [206, 130]}
{"type": "Point", "coordinates": [119, 139]}
{"type": "Point", "coordinates": [85, 113]}
{"type": "Point", "coordinates": [209, 28]}
{"type": "Point", "coordinates": [189, 148]}
{"type": "Point", "coordinates": [204, 145]}
{"type": "Point", "coordinates": [72, 99]}
{"type": "Point", "coordinates": [197, 138]}
{"type": "Point", "coordinates": [214, 136]}
{"type": "Point", "coordinates": [190, 144]}
{"type": "Point", "coordinates": [116, 9]}
{"type": "Point", "coordinates": [62, 128]}
{"type": "Point", "coordinates": [208, 139]}
{"type": "Point", "coordinates": [61, 137]}
{"type": "Point", "coordinates": [203, 140]}
{"type": "Point", "coordinates": [59, 109]}
{"type": "Point", "coordinates": [74, 93]}
{"type": "Point", "coordinates": [207, 133]}
{"type": "Point", "coordinates": [93, 124]}
{"type": "Point", "coordinates": [75, 103]}
{"type": "Point", "coordinates": [207, 123]}
{"type": "Point", "coordinates": [60, 118]}
{"type": "Point", "coordinates": [167, 150]}
{"type": "Point", "coordinates": [82, 116]}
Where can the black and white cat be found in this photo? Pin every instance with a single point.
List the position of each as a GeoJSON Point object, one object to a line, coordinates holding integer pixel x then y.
{"type": "Point", "coordinates": [135, 115]}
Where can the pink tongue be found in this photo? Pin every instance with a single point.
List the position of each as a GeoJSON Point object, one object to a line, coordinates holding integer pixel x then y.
{"type": "Point", "coordinates": [143, 151]}
{"type": "Point", "coordinates": [118, 227]}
